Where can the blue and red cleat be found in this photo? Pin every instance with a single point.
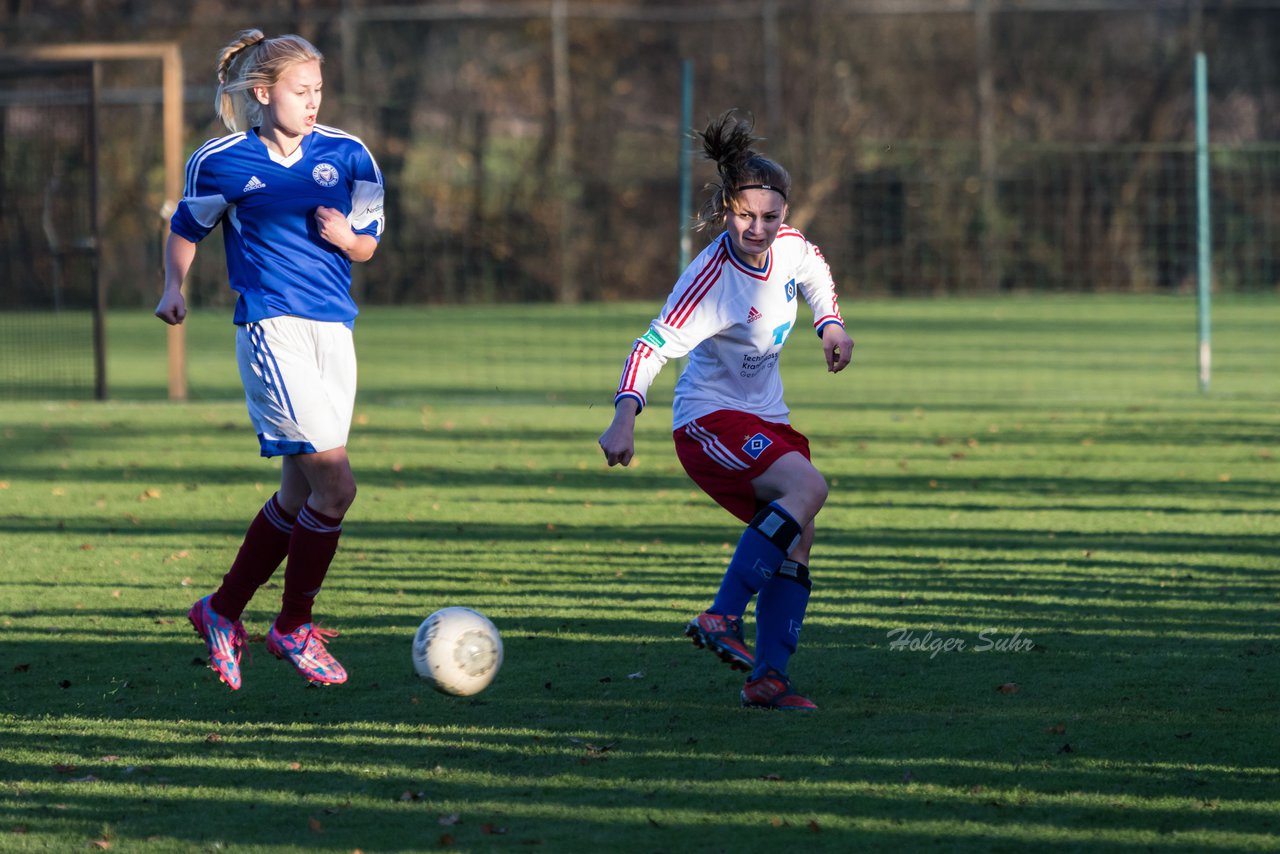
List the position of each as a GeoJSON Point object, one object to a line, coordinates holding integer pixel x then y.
{"type": "Point", "coordinates": [773, 691]}
{"type": "Point", "coordinates": [304, 649]}
{"type": "Point", "coordinates": [224, 639]}
{"type": "Point", "coordinates": [722, 635]}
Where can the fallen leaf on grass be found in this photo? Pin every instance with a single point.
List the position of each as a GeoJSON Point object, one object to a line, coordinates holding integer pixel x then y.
{"type": "Point", "coordinates": [771, 777]}
{"type": "Point", "coordinates": [64, 769]}
{"type": "Point", "coordinates": [595, 749]}
{"type": "Point", "coordinates": [1066, 748]}
{"type": "Point", "coordinates": [446, 839]}
{"type": "Point", "coordinates": [1008, 688]}
{"type": "Point", "coordinates": [1057, 729]}
{"type": "Point", "coordinates": [450, 819]}
{"type": "Point", "coordinates": [314, 824]}
{"type": "Point", "coordinates": [213, 737]}
{"type": "Point", "coordinates": [100, 844]}
{"type": "Point", "coordinates": [814, 826]}
{"type": "Point", "coordinates": [492, 830]}
{"type": "Point", "coordinates": [21, 668]}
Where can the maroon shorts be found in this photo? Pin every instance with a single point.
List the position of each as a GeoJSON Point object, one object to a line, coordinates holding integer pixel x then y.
{"type": "Point", "coordinates": [726, 450]}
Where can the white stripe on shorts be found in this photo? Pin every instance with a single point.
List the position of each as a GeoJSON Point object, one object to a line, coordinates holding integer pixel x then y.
{"type": "Point", "coordinates": [269, 368]}
{"type": "Point", "coordinates": [712, 447]}
{"type": "Point", "coordinates": [299, 381]}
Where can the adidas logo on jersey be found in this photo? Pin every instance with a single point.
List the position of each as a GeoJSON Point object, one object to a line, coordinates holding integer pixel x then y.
{"type": "Point", "coordinates": [754, 315]}
{"type": "Point", "coordinates": [254, 184]}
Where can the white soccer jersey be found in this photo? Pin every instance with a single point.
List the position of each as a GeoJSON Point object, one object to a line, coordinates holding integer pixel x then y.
{"type": "Point", "coordinates": [276, 258]}
{"type": "Point", "coordinates": [731, 320]}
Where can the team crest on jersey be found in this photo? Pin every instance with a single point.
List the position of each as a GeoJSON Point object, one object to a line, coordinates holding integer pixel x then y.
{"type": "Point", "coordinates": [325, 174]}
{"type": "Point", "coordinates": [755, 446]}
{"type": "Point", "coordinates": [791, 290]}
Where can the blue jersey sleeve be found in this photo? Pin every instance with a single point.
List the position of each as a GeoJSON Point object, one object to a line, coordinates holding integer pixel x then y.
{"type": "Point", "coordinates": [203, 199]}
{"type": "Point", "coordinates": [367, 194]}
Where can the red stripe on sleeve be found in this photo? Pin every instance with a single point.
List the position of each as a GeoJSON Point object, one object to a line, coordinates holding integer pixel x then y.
{"type": "Point", "coordinates": [701, 285]}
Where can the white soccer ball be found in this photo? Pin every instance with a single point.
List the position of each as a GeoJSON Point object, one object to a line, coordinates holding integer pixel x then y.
{"type": "Point", "coordinates": [458, 651]}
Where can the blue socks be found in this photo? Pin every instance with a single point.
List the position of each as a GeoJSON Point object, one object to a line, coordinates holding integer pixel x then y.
{"type": "Point", "coordinates": [779, 615]}
{"type": "Point", "coordinates": [772, 534]}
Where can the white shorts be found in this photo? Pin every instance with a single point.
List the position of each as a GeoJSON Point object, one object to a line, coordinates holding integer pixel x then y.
{"type": "Point", "coordinates": [299, 383]}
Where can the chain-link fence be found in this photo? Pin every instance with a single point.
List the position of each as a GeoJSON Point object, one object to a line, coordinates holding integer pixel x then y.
{"type": "Point", "coordinates": [532, 149]}
{"type": "Point", "coordinates": [50, 319]}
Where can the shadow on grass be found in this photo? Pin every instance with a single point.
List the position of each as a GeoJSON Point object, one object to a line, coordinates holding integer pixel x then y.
{"type": "Point", "coordinates": [907, 751]}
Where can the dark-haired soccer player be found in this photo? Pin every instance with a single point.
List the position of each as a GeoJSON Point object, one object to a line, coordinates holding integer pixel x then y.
{"type": "Point", "coordinates": [731, 312]}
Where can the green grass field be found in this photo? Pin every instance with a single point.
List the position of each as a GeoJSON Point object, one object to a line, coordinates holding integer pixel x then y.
{"type": "Point", "coordinates": [1004, 473]}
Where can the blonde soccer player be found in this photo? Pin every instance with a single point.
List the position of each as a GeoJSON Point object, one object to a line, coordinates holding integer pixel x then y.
{"type": "Point", "coordinates": [298, 203]}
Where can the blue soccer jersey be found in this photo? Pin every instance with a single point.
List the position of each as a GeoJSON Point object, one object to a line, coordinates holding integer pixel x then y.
{"type": "Point", "coordinates": [276, 259]}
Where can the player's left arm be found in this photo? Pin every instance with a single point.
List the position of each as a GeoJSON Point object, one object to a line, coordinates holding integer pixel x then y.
{"type": "Point", "coordinates": [336, 229]}
{"type": "Point", "coordinates": [819, 289]}
{"type": "Point", "coordinates": [837, 346]}
{"type": "Point", "coordinates": [357, 234]}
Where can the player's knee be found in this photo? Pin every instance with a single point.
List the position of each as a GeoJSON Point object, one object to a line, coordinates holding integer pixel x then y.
{"type": "Point", "coordinates": [335, 499]}
{"type": "Point", "coordinates": [819, 490]}
{"type": "Point", "coordinates": [811, 491]}
{"type": "Point", "coordinates": [346, 496]}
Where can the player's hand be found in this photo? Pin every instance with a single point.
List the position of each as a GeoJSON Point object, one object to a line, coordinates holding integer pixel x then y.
{"type": "Point", "coordinates": [837, 346]}
{"type": "Point", "coordinates": [619, 441]}
{"type": "Point", "coordinates": [618, 444]}
{"type": "Point", "coordinates": [172, 308]}
{"type": "Point", "coordinates": [334, 227]}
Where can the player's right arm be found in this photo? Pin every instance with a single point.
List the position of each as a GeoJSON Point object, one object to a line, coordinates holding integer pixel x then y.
{"type": "Point", "coordinates": [687, 319]}
{"type": "Point", "coordinates": [179, 253]}
{"type": "Point", "coordinates": [201, 208]}
{"type": "Point", "coordinates": [619, 441]}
